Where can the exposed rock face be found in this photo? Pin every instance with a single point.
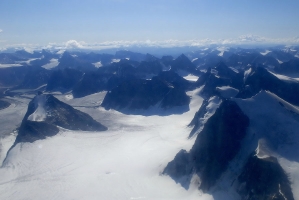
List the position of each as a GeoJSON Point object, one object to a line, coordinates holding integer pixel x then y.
{"type": "Point", "coordinates": [167, 60]}
{"type": "Point", "coordinates": [236, 79]}
{"type": "Point", "coordinates": [137, 94]}
{"type": "Point", "coordinates": [248, 58]}
{"type": "Point", "coordinates": [210, 82]}
{"type": "Point", "coordinates": [64, 80]}
{"type": "Point", "coordinates": [123, 54]}
{"type": "Point", "coordinates": [31, 131]}
{"type": "Point", "coordinates": [123, 69]}
{"type": "Point", "coordinates": [68, 61]}
{"type": "Point", "coordinates": [175, 80]}
{"type": "Point", "coordinates": [260, 79]}
{"type": "Point", "coordinates": [91, 83]}
{"type": "Point", "coordinates": [175, 97]}
{"type": "Point", "coordinates": [12, 76]}
{"type": "Point", "coordinates": [149, 67]}
{"type": "Point", "coordinates": [183, 63]}
{"type": "Point", "coordinates": [45, 113]}
{"type": "Point", "coordinates": [218, 76]}
{"type": "Point", "coordinates": [264, 178]}
{"type": "Point", "coordinates": [290, 67]}
{"type": "Point", "coordinates": [150, 58]}
{"type": "Point", "coordinates": [214, 148]}
{"type": "Point", "coordinates": [34, 78]}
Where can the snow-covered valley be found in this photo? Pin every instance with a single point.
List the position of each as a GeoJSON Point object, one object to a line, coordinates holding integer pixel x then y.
{"type": "Point", "coordinates": [124, 162]}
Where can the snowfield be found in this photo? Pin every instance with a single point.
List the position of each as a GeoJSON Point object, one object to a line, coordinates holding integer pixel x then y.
{"type": "Point", "coordinates": [124, 162]}
{"type": "Point", "coordinates": [274, 127]}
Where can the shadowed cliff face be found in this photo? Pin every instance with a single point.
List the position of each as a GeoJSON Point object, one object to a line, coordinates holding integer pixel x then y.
{"type": "Point", "coordinates": [64, 80]}
{"type": "Point", "coordinates": [137, 94]}
{"type": "Point", "coordinates": [264, 179]}
{"type": "Point", "coordinates": [260, 79]}
{"type": "Point", "coordinates": [220, 75]}
{"type": "Point", "coordinates": [45, 113]}
{"type": "Point", "coordinates": [215, 146]}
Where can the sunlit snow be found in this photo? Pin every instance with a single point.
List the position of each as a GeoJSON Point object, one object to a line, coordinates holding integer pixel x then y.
{"type": "Point", "coordinates": [98, 64]}
{"type": "Point", "coordinates": [9, 65]}
{"type": "Point", "coordinates": [53, 63]}
{"type": "Point", "coordinates": [124, 162]}
{"type": "Point", "coordinates": [40, 113]}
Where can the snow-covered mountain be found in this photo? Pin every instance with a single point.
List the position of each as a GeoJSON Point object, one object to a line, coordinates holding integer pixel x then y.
{"type": "Point", "coordinates": [217, 123]}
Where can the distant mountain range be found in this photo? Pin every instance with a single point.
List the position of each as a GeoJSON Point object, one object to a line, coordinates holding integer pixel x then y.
{"type": "Point", "coordinates": [245, 131]}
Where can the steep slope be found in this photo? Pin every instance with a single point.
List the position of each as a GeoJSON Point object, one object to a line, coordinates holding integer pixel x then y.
{"type": "Point", "coordinates": [217, 144]}
{"type": "Point", "coordinates": [182, 64]}
{"type": "Point", "coordinates": [290, 67]}
{"type": "Point", "coordinates": [256, 160]}
{"type": "Point", "coordinates": [63, 80]}
{"type": "Point", "coordinates": [69, 61]}
{"type": "Point", "coordinates": [138, 94]}
{"type": "Point", "coordinates": [258, 78]}
{"type": "Point", "coordinates": [45, 113]}
{"type": "Point", "coordinates": [264, 178]}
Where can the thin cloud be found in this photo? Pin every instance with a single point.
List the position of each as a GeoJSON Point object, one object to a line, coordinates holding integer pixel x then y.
{"type": "Point", "coordinates": [1, 30]}
{"type": "Point", "coordinates": [249, 39]}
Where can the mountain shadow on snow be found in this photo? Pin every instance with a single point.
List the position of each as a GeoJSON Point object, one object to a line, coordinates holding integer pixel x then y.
{"type": "Point", "coordinates": [215, 146]}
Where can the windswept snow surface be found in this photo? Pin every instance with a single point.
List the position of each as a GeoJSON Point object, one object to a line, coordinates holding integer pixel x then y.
{"type": "Point", "coordinates": [115, 60]}
{"type": "Point", "coordinates": [97, 64]}
{"type": "Point", "coordinates": [285, 78]}
{"type": "Point", "coordinates": [40, 113]}
{"type": "Point", "coordinates": [124, 162]}
{"type": "Point", "coordinates": [53, 63]}
{"type": "Point", "coordinates": [227, 91]}
{"type": "Point", "coordinates": [9, 65]}
{"type": "Point", "coordinates": [191, 77]}
{"type": "Point", "coordinates": [246, 74]}
{"type": "Point", "coordinates": [265, 53]}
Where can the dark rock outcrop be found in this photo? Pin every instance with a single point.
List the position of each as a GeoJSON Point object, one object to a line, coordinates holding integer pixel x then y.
{"type": "Point", "coordinates": [64, 80]}
{"type": "Point", "coordinates": [152, 67]}
{"type": "Point", "coordinates": [136, 94]}
{"type": "Point", "coordinates": [289, 68]}
{"type": "Point", "coordinates": [175, 97]}
{"type": "Point", "coordinates": [264, 178]}
{"type": "Point", "coordinates": [12, 76]}
{"type": "Point", "coordinates": [123, 54]}
{"type": "Point", "coordinates": [34, 78]}
{"type": "Point", "coordinates": [210, 82]}
{"type": "Point", "coordinates": [217, 144]}
{"type": "Point", "coordinates": [175, 80]}
{"type": "Point", "coordinates": [69, 61]}
{"type": "Point", "coordinates": [94, 82]}
{"type": "Point", "coordinates": [260, 79]}
{"type": "Point", "coordinates": [183, 63]}
{"type": "Point", "coordinates": [245, 58]}
{"type": "Point", "coordinates": [45, 113]}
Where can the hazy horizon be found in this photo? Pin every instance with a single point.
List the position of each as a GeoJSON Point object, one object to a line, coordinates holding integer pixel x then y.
{"type": "Point", "coordinates": [107, 24]}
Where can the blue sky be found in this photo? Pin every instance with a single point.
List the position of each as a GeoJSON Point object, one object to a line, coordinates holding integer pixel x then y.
{"type": "Point", "coordinates": [96, 21]}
